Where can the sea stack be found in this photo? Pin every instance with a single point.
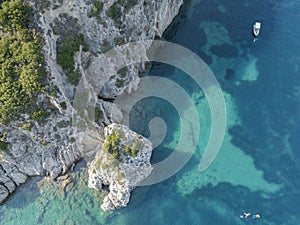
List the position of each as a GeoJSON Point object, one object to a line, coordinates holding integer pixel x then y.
{"type": "Point", "coordinates": [122, 164]}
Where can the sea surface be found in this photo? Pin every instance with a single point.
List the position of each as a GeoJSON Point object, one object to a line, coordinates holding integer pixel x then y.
{"type": "Point", "coordinates": [257, 169]}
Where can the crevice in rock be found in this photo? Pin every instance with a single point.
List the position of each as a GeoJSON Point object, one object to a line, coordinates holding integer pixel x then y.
{"type": "Point", "coordinates": [1, 168]}
{"type": "Point", "coordinates": [111, 100]}
{"type": "Point", "coordinates": [11, 181]}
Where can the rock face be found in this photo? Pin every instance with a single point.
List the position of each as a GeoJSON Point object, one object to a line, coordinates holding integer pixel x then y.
{"type": "Point", "coordinates": [3, 193]}
{"type": "Point", "coordinates": [122, 163]}
{"type": "Point", "coordinates": [50, 146]}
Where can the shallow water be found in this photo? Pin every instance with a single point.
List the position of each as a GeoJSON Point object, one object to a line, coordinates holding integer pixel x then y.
{"type": "Point", "coordinates": [256, 169]}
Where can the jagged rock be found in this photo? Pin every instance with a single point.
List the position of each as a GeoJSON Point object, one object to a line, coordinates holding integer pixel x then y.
{"type": "Point", "coordinates": [111, 112]}
{"type": "Point", "coordinates": [52, 166]}
{"type": "Point", "coordinates": [3, 193]}
{"type": "Point", "coordinates": [18, 177]}
{"type": "Point", "coordinates": [30, 165]}
{"type": "Point", "coordinates": [122, 163]}
{"type": "Point", "coordinates": [10, 185]}
{"type": "Point", "coordinates": [9, 173]}
{"type": "Point", "coordinates": [6, 181]}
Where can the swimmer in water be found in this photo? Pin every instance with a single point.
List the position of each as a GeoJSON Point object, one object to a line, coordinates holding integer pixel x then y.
{"type": "Point", "coordinates": [256, 216]}
{"type": "Point", "coordinates": [245, 215]}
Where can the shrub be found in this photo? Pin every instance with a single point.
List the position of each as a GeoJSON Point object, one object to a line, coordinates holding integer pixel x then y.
{"type": "Point", "coordinates": [65, 56]}
{"type": "Point", "coordinates": [123, 72]}
{"type": "Point", "coordinates": [43, 142]}
{"type": "Point", "coordinates": [3, 146]}
{"type": "Point", "coordinates": [106, 46]}
{"type": "Point", "coordinates": [111, 146]}
{"type": "Point", "coordinates": [63, 105]}
{"type": "Point", "coordinates": [98, 7]}
{"type": "Point", "coordinates": [27, 126]}
{"type": "Point", "coordinates": [39, 115]}
{"type": "Point", "coordinates": [98, 114]}
{"type": "Point", "coordinates": [74, 77]}
{"type": "Point", "coordinates": [119, 83]}
{"type": "Point", "coordinates": [129, 4]}
{"type": "Point", "coordinates": [114, 12]}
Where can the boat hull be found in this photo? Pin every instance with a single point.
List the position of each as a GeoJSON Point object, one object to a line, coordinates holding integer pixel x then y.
{"type": "Point", "coordinates": [255, 32]}
{"type": "Point", "coordinates": [256, 29]}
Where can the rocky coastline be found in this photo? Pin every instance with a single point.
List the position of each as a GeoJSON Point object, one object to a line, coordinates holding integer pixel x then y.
{"type": "Point", "coordinates": [49, 147]}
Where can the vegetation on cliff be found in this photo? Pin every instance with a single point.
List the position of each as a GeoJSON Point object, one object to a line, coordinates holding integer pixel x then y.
{"type": "Point", "coordinates": [113, 147]}
{"type": "Point", "coordinates": [21, 61]}
{"type": "Point", "coordinates": [66, 54]}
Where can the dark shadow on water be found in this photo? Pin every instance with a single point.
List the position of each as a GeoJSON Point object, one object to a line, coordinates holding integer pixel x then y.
{"type": "Point", "coordinates": [24, 195]}
{"type": "Point", "coordinates": [225, 50]}
{"type": "Point", "coordinates": [29, 192]}
{"type": "Point", "coordinates": [149, 108]}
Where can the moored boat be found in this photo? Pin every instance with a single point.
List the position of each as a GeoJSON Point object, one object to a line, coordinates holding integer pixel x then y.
{"type": "Point", "coordinates": [256, 28]}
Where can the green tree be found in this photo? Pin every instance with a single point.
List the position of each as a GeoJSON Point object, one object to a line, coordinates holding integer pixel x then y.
{"type": "Point", "coordinates": [14, 15]}
{"type": "Point", "coordinates": [21, 61]}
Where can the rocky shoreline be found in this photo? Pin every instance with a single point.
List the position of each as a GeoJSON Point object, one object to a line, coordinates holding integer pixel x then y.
{"type": "Point", "coordinates": [50, 146]}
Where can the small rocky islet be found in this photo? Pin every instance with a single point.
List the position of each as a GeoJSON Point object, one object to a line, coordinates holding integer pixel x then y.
{"type": "Point", "coordinates": [122, 164]}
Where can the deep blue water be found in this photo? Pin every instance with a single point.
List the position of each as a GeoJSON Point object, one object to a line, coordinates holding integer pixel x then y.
{"type": "Point", "coordinates": [268, 132]}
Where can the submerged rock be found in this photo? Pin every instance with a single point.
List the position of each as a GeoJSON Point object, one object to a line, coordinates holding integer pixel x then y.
{"type": "Point", "coordinates": [122, 164]}
{"type": "Point", "coordinates": [229, 74]}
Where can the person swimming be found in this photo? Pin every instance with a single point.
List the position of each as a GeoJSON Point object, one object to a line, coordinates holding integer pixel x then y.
{"type": "Point", "coordinates": [245, 215]}
{"type": "Point", "coordinates": [256, 216]}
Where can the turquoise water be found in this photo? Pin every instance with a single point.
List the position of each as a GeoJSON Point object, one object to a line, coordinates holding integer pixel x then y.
{"type": "Point", "coordinates": [256, 169]}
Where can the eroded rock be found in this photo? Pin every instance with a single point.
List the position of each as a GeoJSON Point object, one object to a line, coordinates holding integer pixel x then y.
{"type": "Point", "coordinates": [122, 164]}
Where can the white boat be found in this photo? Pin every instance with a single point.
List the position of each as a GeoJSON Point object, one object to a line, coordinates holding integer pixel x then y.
{"type": "Point", "coordinates": [256, 28]}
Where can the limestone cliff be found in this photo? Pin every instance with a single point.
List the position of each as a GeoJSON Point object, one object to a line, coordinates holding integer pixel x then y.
{"type": "Point", "coordinates": [84, 29]}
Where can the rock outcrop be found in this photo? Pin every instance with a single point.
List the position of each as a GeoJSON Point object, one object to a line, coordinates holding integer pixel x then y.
{"type": "Point", "coordinates": [121, 164]}
{"type": "Point", "coordinates": [50, 146]}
